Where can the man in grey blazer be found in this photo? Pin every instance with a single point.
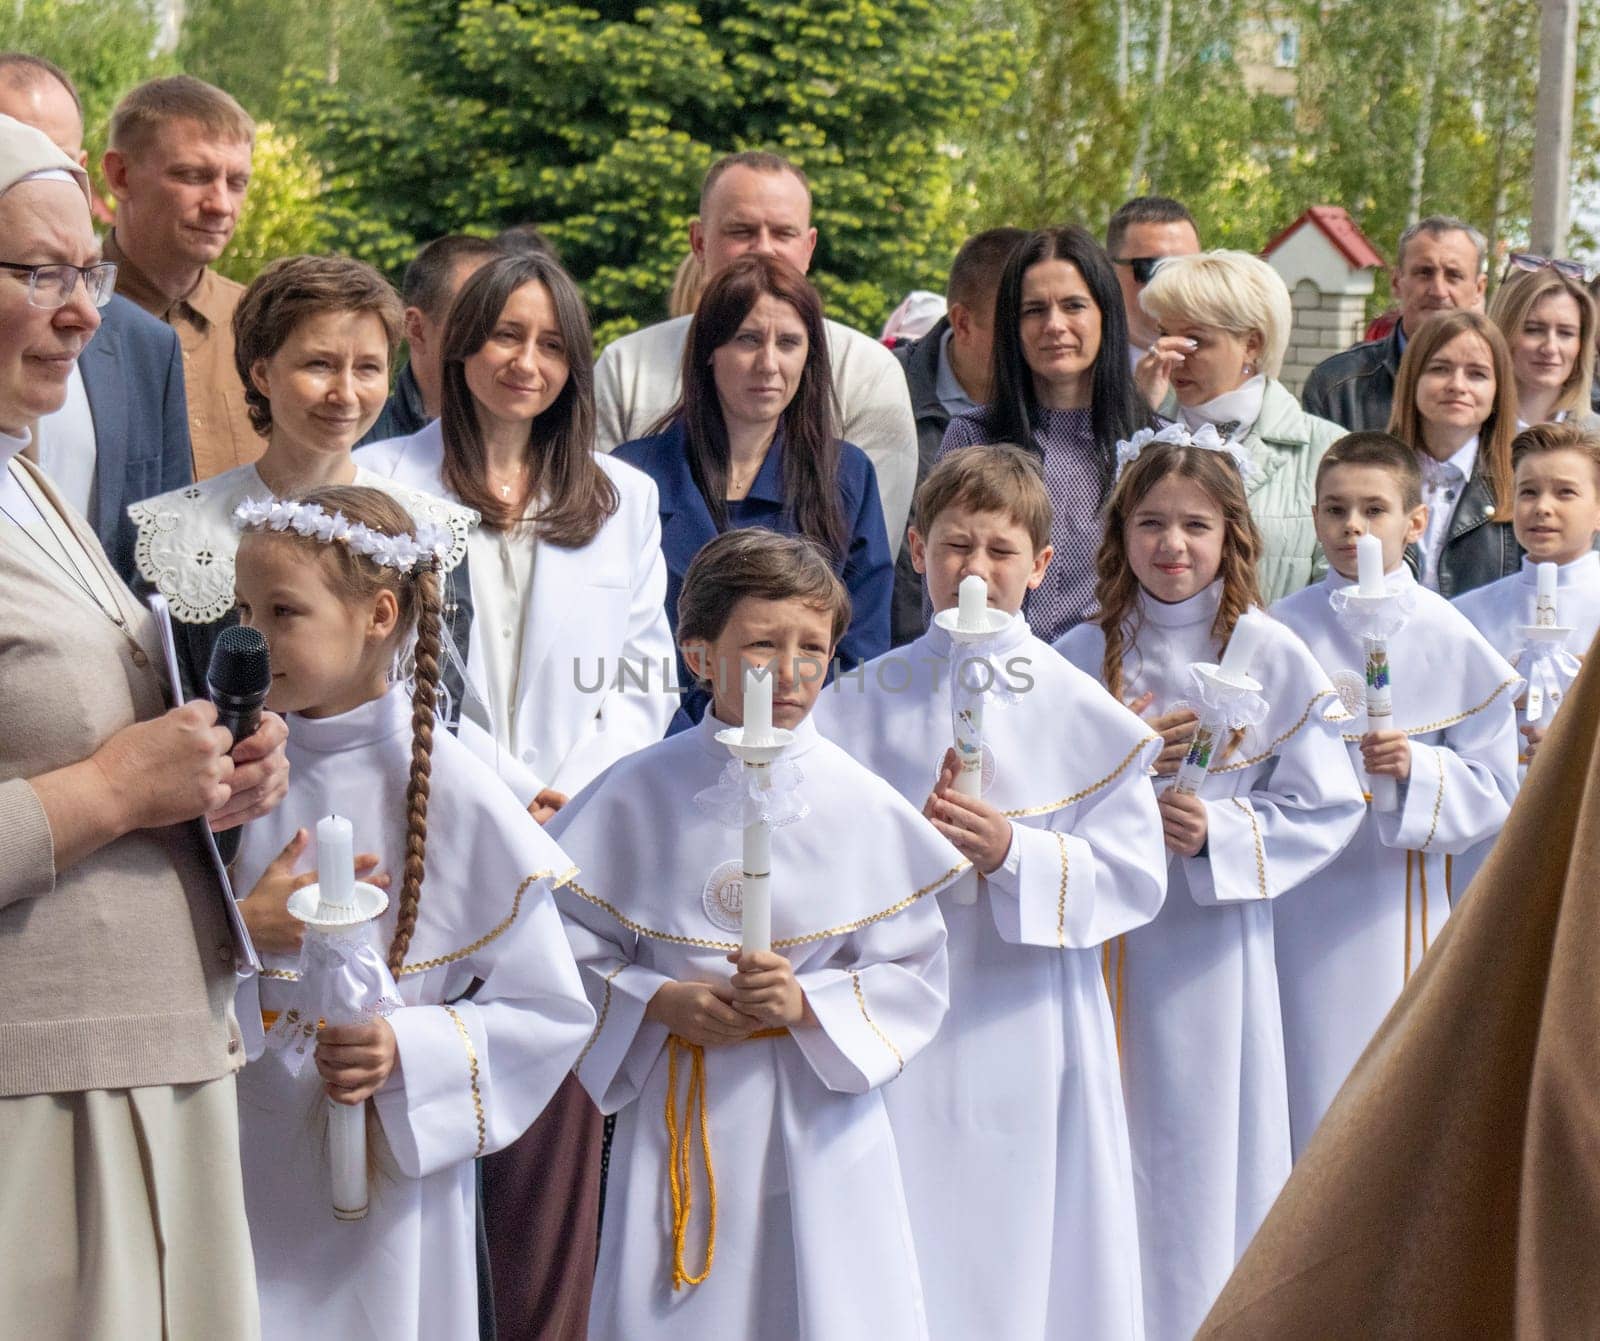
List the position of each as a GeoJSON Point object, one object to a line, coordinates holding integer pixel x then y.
{"type": "Point", "coordinates": [123, 433]}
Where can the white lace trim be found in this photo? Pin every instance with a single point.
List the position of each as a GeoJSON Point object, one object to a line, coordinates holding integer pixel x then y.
{"type": "Point", "coordinates": [186, 539]}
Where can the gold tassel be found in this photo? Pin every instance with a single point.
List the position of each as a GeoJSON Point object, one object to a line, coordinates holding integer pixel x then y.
{"type": "Point", "coordinates": [1406, 977]}
{"type": "Point", "coordinates": [680, 1145]}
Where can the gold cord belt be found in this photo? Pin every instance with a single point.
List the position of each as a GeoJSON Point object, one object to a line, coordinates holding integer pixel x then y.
{"type": "Point", "coordinates": [680, 1148]}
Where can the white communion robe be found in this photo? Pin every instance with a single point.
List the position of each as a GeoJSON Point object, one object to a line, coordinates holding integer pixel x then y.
{"type": "Point", "coordinates": [1011, 1129]}
{"type": "Point", "coordinates": [1348, 940]}
{"type": "Point", "coordinates": [813, 1241]}
{"type": "Point", "coordinates": [494, 1015]}
{"type": "Point", "coordinates": [1202, 1036]}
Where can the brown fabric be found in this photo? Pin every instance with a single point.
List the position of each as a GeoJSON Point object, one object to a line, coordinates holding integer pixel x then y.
{"type": "Point", "coordinates": [220, 434]}
{"type": "Point", "coordinates": [117, 972]}
{"type": "Point", "coordinates": [541, 1206]}
{"type": "Point", "coordinates": [1453, 1190]}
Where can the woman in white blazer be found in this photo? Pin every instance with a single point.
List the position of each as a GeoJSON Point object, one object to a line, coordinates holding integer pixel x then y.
{"type": "Point", "coordinates": [561, 616]}
{"type": "Point", "coordinates": [566, 575]}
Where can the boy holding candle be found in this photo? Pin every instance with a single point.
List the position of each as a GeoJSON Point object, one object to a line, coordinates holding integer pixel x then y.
{"type": "Point", "coordinates": [1556, 516]}
{"type": "Point", "coordinates": [1011, 1129]}
{"type": "Point", "coordinates": [754, 1189]}
{"type": "Point", "coordinates": [1347, 941]}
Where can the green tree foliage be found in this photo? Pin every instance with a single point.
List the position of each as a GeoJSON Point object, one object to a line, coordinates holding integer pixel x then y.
{"type": "Point", "coordinates": [1391, 110]}
{"type": "Point", "coordinates": [105, 46]}
{"type": "Point", "coordinates": [246, 46]}
{"type": "Point", "coordinates": [597, 122]}
{"type": "Point", "coordinates": [281, 215]}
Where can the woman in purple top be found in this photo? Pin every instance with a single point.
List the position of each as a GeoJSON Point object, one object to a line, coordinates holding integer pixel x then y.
{"type": "Point", "coordinates": [1061, 388]}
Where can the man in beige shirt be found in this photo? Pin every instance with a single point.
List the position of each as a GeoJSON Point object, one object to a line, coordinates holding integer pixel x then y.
{"type": "Point", "coordinates": [178, 166]}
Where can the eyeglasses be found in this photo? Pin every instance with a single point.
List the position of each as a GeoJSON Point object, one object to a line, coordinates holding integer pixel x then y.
{"type": "Point", "coordinates": [50, 286]}
{"type": "Point", "coordinates": [1143, 267]}
{"type": "Point", "coordinates": [1527, 261]}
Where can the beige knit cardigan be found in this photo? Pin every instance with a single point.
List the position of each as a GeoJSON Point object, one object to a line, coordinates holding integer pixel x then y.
{"type": "Point", "coordinates": [117, 972]}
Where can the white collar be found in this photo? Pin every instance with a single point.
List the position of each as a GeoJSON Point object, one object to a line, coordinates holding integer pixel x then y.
{"type": "Point", "coordinates": [377, 719]}
{"type": "Point", "coordinates": [186, 540]}
{"type": "Point", "coordinates": [1463, 459]}
{"type": "Point", "coordinates": [1582, 571]}
{"type": "Point", "coordinates": [1398, 576]}
{"type": "Point", "coordinates": [1014, 634]}
{"type": "Point", "coordinates": [1201, 608]}
{"type": "Point", "coordinates": [11, 447]}
{"type": "Point", "coordinates": [1240, 406]}
{"type": "Point", "coordinates": [805, 736]}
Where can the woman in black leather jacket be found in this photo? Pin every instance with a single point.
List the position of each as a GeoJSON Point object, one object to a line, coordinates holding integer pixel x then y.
{"type": "Point", "coordinates": [1455, 403]}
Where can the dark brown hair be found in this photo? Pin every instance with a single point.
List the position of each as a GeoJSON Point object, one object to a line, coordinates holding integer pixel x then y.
{"type": "Point", "coordinates": [810, 437]}
{"type": "Point", "coordinates": [579, 495]}
{"type": "Point", "coordinates": [293, 290]}
{"type": "Point", "coordinates": [1383, 451]}
{"type": "Point", "coordinates": [359, 578]}
{"type": "Point", "coordinates": [1563, 437]}
{"type": "Point", "coordinates": [1496, 432]}
{"type": "Point", "coordinates": [765, 565]}
{"type": "Point", "coordinates": [1116, 588]}
{"type": "Point", "coordinates": [1116, 409]}
{"type": "Point", "coordinates": [1002, 479]}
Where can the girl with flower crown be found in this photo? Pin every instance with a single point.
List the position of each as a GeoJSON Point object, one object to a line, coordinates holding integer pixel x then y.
{"type": "Point", "coordinates": [345, 586]}
{"type": "Point", "coordinates": [1195, 990]}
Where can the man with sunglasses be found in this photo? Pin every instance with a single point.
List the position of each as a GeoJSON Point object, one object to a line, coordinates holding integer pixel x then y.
{"type": "Point", "coordinates": [1439, 267]}
{"type": "Point", "coordinates": [1142, 233]}
{"type": "Point", "coordinates": [123, 433]}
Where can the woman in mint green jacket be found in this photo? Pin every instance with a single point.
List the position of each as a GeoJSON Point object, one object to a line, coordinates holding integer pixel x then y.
{"type": "Point", "coordinates": [1224, 318]}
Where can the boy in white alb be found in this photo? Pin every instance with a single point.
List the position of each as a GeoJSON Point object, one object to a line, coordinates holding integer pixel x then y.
{"type": "Point", "coordinates": [1556, 515]}
{"type": "Point", "coordinates": [754, 1190]}
{"type": "Point", "coordinates": [1010, 1127]}
{"type": "Point", "coordinates": [1348, 940]}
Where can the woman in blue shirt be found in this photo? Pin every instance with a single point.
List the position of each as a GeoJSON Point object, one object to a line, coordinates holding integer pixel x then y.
{"type": "Point", "coordinates": [752, 442]}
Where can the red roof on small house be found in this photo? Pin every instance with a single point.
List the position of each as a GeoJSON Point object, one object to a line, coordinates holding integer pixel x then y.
{"type": "Point", "coordinates": [1340, 229]}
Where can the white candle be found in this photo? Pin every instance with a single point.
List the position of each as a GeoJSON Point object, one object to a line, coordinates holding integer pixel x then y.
{"type": "Point", "coordinates": [973, 605]}
{"type": "Point", "coordinates": [336, 862]}
{"type": "Point", "coordinates": [756, 917]}
{"type": "Point", "coordinates": [1242, 644]}
{"type": "Point", "coordinates": [1544, 607]}
{"type": "Point", "coordinates": [1369, 565]}
{"type": "Point", "coordinates": [347, 1154]}
{"type": "Point", "coordinates": [757, 706]}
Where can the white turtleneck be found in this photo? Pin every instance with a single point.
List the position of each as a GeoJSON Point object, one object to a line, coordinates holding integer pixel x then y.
{"type": "Point", "coordinates": [1242, 405]}
{"type": "Point", "coordinates": [13, 497]}
{"type": "Point", "coordinates": [1171, 638]}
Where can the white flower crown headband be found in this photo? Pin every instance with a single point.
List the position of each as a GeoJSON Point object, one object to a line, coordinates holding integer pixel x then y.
{"type": "Point", "coordinates": [1205, 437]}
{"type": "Point", "coordinates": [406, 553]}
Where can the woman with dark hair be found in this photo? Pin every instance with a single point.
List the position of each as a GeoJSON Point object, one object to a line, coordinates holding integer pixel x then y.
{"type": "Point", "coordinates": [313, 340]}
{"type": "Point", "coordinates": [1060, 387]}
{"type": "Point", "coordinates": [565, 577]}
{"type": "Point", "coordinates": [752, 442]}
{"type": "Point", "coordinates": [567, 642]}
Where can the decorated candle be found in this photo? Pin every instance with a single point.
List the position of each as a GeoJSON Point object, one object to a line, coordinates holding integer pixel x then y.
{"type": "Point", "coordinates": [1544, 606]}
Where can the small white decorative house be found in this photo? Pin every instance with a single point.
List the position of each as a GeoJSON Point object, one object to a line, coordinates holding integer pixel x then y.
{"type": "Point", "coordinates": [1329, 267]}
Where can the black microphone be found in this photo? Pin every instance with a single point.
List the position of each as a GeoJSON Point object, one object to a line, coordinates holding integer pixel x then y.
{"type": "Point", "coordinates": [238, 678]}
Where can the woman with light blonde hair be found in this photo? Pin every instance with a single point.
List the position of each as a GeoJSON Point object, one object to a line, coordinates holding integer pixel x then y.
{"type": "Point", "coordinates": [1548, 320]}
{"type": "Point", "coordinates": [1224, 318]}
